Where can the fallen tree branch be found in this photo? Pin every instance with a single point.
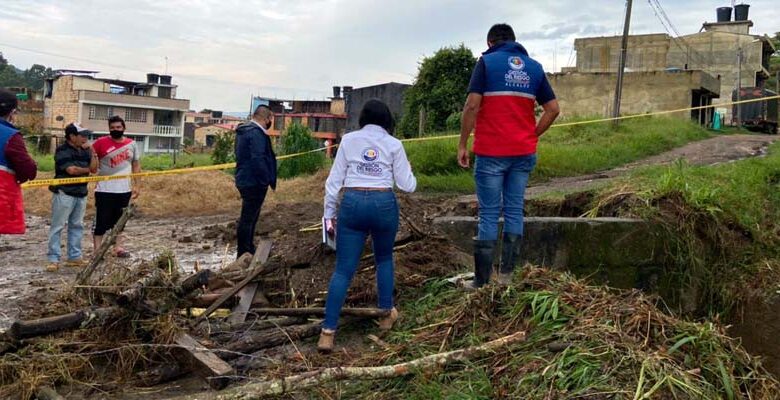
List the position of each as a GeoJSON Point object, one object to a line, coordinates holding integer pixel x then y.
{"type": "Point", "coordinates": [79, 319]}
{"type": "Point", "coordinates": [254, 341]}
{"type": "Point", "coordinates": [109, 240]}
{"type": "Point", "coordinates": [136, 293]}
{"type": "Point", "coordinates": [320, 312]}
{"type": "Point", "coordinates": [316, 378]}
{"type": "Point", "coordinates": [193, 282]}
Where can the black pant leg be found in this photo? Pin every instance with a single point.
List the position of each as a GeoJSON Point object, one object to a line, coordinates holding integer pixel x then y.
{"type": "Point", "coordinates": [251, 201]}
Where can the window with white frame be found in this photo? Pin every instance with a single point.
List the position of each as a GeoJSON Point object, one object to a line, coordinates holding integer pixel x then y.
{"type": "Point", "coordinates": [135, 115]}
{"type": "Point", "coordinates": [100, 112]}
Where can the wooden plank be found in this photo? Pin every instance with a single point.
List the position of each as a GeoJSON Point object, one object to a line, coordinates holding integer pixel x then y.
{"type": "Point", "coordinates": [204, 362]}
{"type": "Point", "coordinates": [247, 295]}
{"type": "Point", "coordinates": [108, 241]}
{"type": "Point", "coordinates": [256, 266]}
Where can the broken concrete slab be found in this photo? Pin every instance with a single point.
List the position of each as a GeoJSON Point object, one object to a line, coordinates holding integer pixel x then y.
{"type": "Point", "coordinates": [619, 251]}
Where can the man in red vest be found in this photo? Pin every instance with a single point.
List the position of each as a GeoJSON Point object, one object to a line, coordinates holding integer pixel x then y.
{"type": "Point", "coordinates": [505, 87]}
{"type": "Point", "coordinates": [16, 167]}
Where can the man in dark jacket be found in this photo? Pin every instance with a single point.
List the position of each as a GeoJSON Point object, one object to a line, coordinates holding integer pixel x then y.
{"type": "Point", "coordinates": [75, 158]}
{"type": "Point", "coordinates": [255, 172]}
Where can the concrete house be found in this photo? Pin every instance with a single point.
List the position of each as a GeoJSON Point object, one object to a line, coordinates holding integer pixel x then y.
{"type": "Point", "coordinates": [152, 113]}
{"type": "Point", "coordinates": [665, 72]}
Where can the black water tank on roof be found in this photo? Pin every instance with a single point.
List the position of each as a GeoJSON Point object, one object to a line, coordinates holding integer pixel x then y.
{"type": "Point", "coordinates": [741, 12]}
{"type": "Point", "coordinates": [152, 78]}
{"type": "Point", "coordinates": [724, 14]}
{"type": "Point", "coordinates": [165, 79]}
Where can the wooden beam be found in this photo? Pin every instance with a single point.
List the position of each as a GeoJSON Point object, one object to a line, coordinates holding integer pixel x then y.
{"type": "Point", "coordinates": [246, 296]}
{"type": "Point", "coordinates": [108, 241]}
{"type": "Point", "coordinates": [256, 266]}
{"type": "Point", "coordinates": [204, 362]}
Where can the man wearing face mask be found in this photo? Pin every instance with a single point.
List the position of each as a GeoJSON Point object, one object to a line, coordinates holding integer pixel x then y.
{"type": "Point", "coordinates": [117, 155]}
{"type": "Point", "coordinates": [255, 172]}
{"type": "Point", "coordinates": [16, 167]}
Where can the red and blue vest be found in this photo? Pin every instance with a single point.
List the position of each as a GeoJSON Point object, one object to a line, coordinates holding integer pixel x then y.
{"type": "Point", "coordinates": [511, 83]}
{"type": "Point", "coordinates": [11, 204]}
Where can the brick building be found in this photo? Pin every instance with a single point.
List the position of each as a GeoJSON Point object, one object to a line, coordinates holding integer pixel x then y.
{"type": "Point", "coordinates": [152, 113]}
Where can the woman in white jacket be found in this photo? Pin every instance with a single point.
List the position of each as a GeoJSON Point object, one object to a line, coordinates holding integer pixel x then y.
{"type": "Point", "coordinates": [368, 164]}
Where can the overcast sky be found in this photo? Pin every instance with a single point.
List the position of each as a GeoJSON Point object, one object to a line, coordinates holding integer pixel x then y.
{"type": "Point", "coordinates": [222, 52]}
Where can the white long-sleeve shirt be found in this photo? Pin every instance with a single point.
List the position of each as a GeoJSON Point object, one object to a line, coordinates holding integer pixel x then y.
{"type": "Point", "coordinates": [368, 158]}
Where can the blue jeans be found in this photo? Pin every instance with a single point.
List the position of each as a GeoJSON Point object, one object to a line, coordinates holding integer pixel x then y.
{"type": "Point", "coordinates": [70, 210]}
{"type": "Point", "coordinates": [501, 179]}
{"type": "Point", "coordinates": [362, 213]}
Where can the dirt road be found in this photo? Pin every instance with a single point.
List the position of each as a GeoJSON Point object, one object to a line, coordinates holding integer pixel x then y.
{"type": "Point", "coordinates": [719, 149]}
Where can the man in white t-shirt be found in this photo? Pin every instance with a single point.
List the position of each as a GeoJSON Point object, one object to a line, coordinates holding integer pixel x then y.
{"type": "Point", "coordinates": [117, 155]}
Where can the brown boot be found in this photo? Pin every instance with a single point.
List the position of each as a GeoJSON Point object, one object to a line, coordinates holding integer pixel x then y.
{"type": "Point", "coordinates": [325, 344]}
{"type": "Point", "coordinates": [386, 323]}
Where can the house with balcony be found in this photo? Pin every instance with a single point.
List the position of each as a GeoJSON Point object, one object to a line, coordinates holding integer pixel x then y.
{"type": "Point", "coordinates": [154, 117]}
{"type": "Point", "coordinates": [326, 119]}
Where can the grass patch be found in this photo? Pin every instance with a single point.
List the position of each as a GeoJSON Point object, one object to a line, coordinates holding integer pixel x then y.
{"type": "Point", "coordinates": [154, 162]}
{"type": "Point", "coordinates": [583, 341]}
{"type": "Point", "coordinates": [722, 227]}
{"type": "Point", "coordinates": [565, 151]}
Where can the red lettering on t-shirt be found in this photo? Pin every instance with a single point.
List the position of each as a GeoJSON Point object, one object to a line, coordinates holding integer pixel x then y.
{"type": "Point", "coordinates": [119, 158]}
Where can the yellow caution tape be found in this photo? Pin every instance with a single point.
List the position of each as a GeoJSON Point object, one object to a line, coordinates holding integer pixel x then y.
{"type": "Point", "coordinates": [88, 179]}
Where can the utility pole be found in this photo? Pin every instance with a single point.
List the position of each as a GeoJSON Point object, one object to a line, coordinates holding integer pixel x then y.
{"type": "Point", "coordinates": [622, 66]}
{"type": "Point", "coordinates": [739, 87]}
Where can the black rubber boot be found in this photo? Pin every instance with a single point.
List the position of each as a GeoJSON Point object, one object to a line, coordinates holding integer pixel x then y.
{"type": "Point", "coordinates": [484, 251]}
{"type": "Point", "coordinates": [510, 257]}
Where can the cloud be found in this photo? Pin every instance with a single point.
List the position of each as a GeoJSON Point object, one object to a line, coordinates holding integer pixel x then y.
{"type": "Point", "coordinates": [221, 51]}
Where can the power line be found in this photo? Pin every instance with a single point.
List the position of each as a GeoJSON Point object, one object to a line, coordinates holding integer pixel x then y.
{"type": "Point", "coordinates": [672, 31]}
{"type": "Point", "coordinates": [135, 69]}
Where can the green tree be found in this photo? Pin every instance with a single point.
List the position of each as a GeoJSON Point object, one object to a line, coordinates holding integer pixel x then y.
{"type": "Point", "coordinates": [298, 139]}
{"type": "Point", "coordinates": [774, 63]}
{"type": "Point", "coordinates": [224, 148]}
{"type": "Point", "coordinates": [34, 76]}
{"type": "Point", "coordinates": [439, 89]}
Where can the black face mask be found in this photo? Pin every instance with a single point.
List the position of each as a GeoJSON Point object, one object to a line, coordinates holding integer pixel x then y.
{"type": "Point", "coordinates": [268, 125]}
{"type": "Point", "coordinates": [117, 134]}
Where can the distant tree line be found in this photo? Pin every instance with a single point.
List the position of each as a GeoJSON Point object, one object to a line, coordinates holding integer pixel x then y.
{"type": "Point", "coordinates": [32, 78]}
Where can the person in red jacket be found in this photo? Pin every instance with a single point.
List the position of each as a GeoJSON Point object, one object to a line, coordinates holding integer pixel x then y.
{"type": "Point", "coordinates": [16, 167]}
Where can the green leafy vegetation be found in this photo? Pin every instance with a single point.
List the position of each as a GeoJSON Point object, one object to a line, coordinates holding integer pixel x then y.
{"type": "Point", "coordinates": [32, 77]}
{"type": "Point", "coordinates": [224, 148]}
{"type": "Point", "coordinates": [439, 90]}
{"type": "Point", "coordinates": [298, 139]}
{"type": "Point", "coordinates": [565, 151]}
{"type": "Point", "coordinates": [582, 342]}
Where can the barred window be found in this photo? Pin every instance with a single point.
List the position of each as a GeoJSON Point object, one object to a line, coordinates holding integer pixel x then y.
{"type": "Point", "coordinates": [135, 115]}
{"type": "Point", "coordinates": [100, 112]}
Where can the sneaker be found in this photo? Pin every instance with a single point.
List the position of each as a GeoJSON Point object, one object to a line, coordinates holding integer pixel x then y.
{"type": "Point", "coordinates": [77, 263]}
{"type": "Point", "coordinates": [386, 323]}
{"type": "Point", "coordinates": [325, 344]}
{"type": "Point", "coordinates": [52, 267]}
